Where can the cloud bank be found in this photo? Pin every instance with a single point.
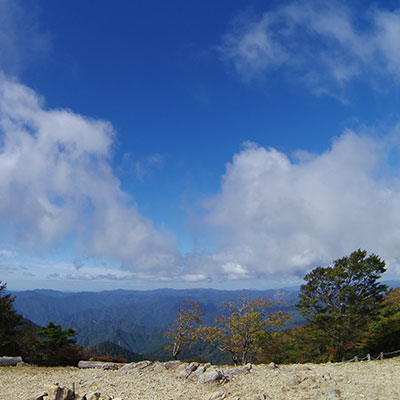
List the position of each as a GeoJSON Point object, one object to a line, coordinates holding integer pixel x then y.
{"type": "Point", "coordinates": [273, 215]}
{"type": "Point", "coordinates": [56, 182]}
{"type": "Point", "coordinates": [326, 43]}
{"type": "Point", "coordinates": [277, 217]}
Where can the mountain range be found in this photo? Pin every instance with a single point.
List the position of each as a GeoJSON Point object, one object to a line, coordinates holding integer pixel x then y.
{"type": "Point", "coordinates": [132, 319]}
{"type": "Point", "coordinates": [137, 319]}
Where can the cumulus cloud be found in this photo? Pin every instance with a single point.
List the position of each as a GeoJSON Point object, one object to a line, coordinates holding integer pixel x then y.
{"type": "Point", "coordinates": [56, 181]}
{"type": "Point", "coordinates": [327, 43]}
{"type": "Point", "coordinates": [275, 216]}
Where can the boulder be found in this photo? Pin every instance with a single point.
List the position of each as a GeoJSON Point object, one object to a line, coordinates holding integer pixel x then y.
{"type": "Point", "coordinates": [231, 373]}
{"type": "Point", "coordinates": [9, 361]}
{"type": "Point", "coordinates": [211, 375]}
{"type": "Point", "coordinates": [172, 364]}
{"type": "Point", "coordinates": [127, 368]}
{"type": "Point", "coordinates": [198, 372]}
{"type": "Point", "coordinates": [186, 370]}
{"type": "Point", "coordinates": [56, 392]}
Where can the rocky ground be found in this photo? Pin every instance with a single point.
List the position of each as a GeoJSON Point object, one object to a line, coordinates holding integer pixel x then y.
{"type": "Point", "coordinates": [177, 381]}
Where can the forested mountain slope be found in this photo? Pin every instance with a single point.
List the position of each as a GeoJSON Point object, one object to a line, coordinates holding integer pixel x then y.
{"type": "Point", "coordinates": [132, 319]}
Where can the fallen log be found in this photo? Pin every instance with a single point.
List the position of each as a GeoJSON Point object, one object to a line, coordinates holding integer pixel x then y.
{"type": "Point", "coordinates": [99, 364]}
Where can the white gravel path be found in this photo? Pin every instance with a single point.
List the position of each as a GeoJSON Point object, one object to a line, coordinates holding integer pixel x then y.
{"type": "Point", "coordinates": [370, 380]}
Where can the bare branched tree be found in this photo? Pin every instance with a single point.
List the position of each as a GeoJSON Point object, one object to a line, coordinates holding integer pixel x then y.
{"type": "Point", "coordinates": [182, 333]}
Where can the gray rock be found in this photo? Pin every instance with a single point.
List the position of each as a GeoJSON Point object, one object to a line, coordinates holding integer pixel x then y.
{"type": "Point", "coordinates": [187, 370]}
{"type": "Point", "coordinates": [333, 394]}
{"type": "Point", "coordinates": [56, 392]}
{"type": "Point", "coordinates": [218, 395]}
{"type": "Point", "coordinates": [230, 373]}
{"type": "Point", "coordinates": [293, 381]}
{"type": "Point", "coordinates": [93, 396]}
{"type": "Point", "coordinates": [39, 397]}
{"type": "Point", "coordinates": [112, 366]}
{"type": "Point", "coordinates": [9, 361]}
{"type": "Point", "coordinates": [172, 364]}
{"type": "Point", "coordinates": [158, 367]}
{"type": "Point", "coordinates": [127, 368]}
{"type": "Point", "coordinates": [22, 364]}
{"type": "Point", "coordinates": [198, 372]}
{"type": "Point", "coordinates": [211, 375]}
{"type": "Point", "coordinates": [100, 364]}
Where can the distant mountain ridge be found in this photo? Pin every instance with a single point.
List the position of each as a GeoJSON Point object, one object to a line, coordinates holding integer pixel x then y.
{"type": "Point", "coordinates": [132, 319]}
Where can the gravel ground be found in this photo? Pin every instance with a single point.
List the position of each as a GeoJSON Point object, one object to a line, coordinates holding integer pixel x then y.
{"type": "Point", "coordinates": [370, 380]}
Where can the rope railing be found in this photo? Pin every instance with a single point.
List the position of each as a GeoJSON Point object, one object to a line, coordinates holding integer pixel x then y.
{"type": "Point", "coordinates": [368, 357]}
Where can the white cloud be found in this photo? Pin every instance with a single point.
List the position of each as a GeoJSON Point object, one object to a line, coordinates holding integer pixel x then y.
{"type": "Point", "coordinates": [251, 49]}
{"type": "Point", "coordinates": [194, 277]}
{"type": "Point", "coordinates": [7, 253]}
{"type": "Point", "coordinates": [8, 268]}
{"type": "Point", "coordinates": [56, 180]}
{"type": "Point", "coordinates": [143, 167]}
{"type": "Point", "coordinates": [327, 43]}
{"type": "Point", "coordinates": [22, 42]}
{"type": "Point", "coordinates": [276, 217]}
{"type": "Point", "coordinates": [89, 277]}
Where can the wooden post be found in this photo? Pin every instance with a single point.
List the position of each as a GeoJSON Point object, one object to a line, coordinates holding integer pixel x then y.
{"type": "Point", "coordinates": [369, 357]}
{"type": "Point", "coordinates": [381, 355]}
{"type": "Point", "coordinates": [356, 359]}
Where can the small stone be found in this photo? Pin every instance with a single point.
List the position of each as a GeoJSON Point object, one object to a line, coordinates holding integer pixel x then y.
{"type": "Point", "coordinates": [52, 390]}
{"type": "Point", "coordinates": [293, 381]}
{"type": "Point", "coordinates": [218, 395]}
{"type": "Point", "coordinates": [111, 366]}
{"type": "Point", "coordinates": [333, 394]}
{"type": "Point", "coordinates": [158, 367]}
{"type": "Point", "coordinates": [88, 383]}
{"type": "Point", "coordinates": [93, 396]}
{"type": "Point", "coordinates": [22, 364]}
{"type": "Point", "coordinates": [40, 396]}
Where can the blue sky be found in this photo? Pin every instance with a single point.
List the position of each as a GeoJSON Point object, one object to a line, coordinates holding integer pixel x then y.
{"type": "Point", "coordinates": [224, 144]}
